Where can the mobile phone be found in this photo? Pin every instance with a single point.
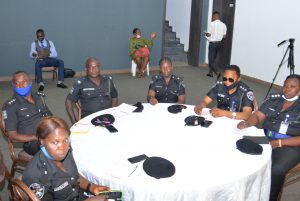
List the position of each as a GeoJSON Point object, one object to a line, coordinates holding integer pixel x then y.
{"type": "Point", "coordinates": [115, 195]}
{"type": "Point", "coordinates": [258, 139]}
{"type": "Point", "coordinates": [206, 123]}
{"type": "Point", "coordinates": [111, 128]}
{"type": "Point", "coordinates": [137, 159]}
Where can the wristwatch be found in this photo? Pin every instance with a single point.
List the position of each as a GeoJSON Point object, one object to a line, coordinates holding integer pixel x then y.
{"type": "Point", "coordinates": [233, 115]}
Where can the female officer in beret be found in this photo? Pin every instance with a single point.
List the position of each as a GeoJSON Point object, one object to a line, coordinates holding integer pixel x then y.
{"type": "Point", "coordinates": [52, 173]}
{"type": "Point", "coordinates": [280, 116]}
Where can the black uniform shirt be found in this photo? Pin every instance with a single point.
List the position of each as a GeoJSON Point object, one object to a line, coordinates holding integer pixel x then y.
{"type": "Point", "coordinates": [49, 182]}
{"type": "Point", "coordinates": [92, 97]}
{"type": "Point", "coordinates": [167, 93]}
{"type": "Point", "coordinates": [234, 102]}
{"type": "Point", "coordinates": [272, 109]}
{"type": "Point", "coordinates": [22, 116]}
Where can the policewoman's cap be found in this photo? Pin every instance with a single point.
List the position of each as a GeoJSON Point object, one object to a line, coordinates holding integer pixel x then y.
{"type": "Point", "coordinates": [103, 120]}
{"type": "Point", "coordinates": [194, 120]}
{"type": "Point", "coordinates": [158, 167]}
{"type": "Point", "coordinates": [139, 106]}
{"type": "Point", "coordinates": [176, 108]}
{"type": "Point", "coordinates": [249, 147]}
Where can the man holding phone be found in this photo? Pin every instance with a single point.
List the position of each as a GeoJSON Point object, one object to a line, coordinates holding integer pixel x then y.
{"type": "Point", "coordinates": [234, 98]}
{"type": "Point", "coordinates": [216, 32]}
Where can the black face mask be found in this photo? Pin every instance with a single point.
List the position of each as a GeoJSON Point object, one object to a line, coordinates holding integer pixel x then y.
{"type": "Point", "coordinates": [235, 84]}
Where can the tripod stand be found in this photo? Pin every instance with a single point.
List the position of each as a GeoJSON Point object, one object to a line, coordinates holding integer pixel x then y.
{"type": "Point", "coordinates": [290, 65]}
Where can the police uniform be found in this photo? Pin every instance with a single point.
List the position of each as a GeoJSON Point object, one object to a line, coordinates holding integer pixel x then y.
{"type": "Point", "coordinates": [234, 102]}
{"type": "Point", "coordinates": [167, 93]}
{"type": "Point", "coordinates": [274, 116]}
{"type": "Point", "coordinates": [22, 116]}
{"type": "Point", "coordinates": [93, 98]}
{"type": "Point", "coordinates": [49, 182]}
{"type": "Point", "coordinates": [286, 157]}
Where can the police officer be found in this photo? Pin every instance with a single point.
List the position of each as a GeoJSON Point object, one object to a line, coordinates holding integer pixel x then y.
{"type": "Point", "coordinates": [95, 92]}
{"type": "Point", "coordinates": [166, 88]}
{"type": "Point", "coordinates": [23, 112]}
{"type": "Point", "coordinates": [280, 116]}
{"type": "Point", "coordinates": [234, 98]}
{"type": "Point", "coordinates": [52, 173]}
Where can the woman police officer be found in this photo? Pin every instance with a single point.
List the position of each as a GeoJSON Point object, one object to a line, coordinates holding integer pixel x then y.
{"type": "Point", "coordinates": [52, 173]}
{"type": "Point", "coordinates": [280, 116]}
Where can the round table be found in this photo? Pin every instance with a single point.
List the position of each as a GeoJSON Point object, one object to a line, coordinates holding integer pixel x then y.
{"type": "Point", "coordinates": [208, 165]}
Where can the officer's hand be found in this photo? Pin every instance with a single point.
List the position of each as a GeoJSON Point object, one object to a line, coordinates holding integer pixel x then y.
{"type": "Point", "coordinates": [96, 189]}
{"type": "Point", "coordinates": [243, 124]}
{"type": "Point", "coordinates": [216, 112]}
{"type": "Point", "coordinates": [153, 101]}
{"type": "Point", "coordinates": [198, 109]}
{"type": "Point", "coordinates": [98, 198]}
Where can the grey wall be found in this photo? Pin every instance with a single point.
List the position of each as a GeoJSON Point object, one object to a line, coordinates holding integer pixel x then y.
{"type": "Point", "coordinates": [79, 29]}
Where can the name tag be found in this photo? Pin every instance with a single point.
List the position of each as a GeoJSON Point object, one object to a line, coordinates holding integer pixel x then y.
{"type": "Point", "coordinates": [88, 89]}
{"type": "Point", "coordinates": [283, 128]}
{"type": "Point", "coordinates": [61, 186]}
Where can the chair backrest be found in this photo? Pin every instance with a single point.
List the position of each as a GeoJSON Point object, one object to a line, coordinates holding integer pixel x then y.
{"type": "Point", "coordinates": [291, 177]}
{"type": "Point", "coordinates": [9, 141]}
{"type": "Point", "coordinates": [18, 160]}
{"type": "Point", "coordinates": [21, 192]}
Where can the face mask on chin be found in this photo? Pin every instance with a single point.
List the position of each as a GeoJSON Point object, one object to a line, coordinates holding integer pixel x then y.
{"type": "Point", "coordinates": [232, 86]}
{"type": "Point", "coordinates": [23, 91]}
{"type": "Point", "coordinates": [138, 36]}
{"type": "Point", "coordinates": [290, 99]}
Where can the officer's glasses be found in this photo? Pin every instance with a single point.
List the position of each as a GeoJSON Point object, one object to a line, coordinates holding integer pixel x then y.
{"type": "Point", "coordinates": [229, 79]}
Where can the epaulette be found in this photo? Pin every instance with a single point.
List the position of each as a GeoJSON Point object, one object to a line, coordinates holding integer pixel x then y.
{"type": "Point", "coordinates": [80, 80]}
{"type": "Point", "coordinates": [243, 88]}
{"type": "Point", "coordinates": [11, 101]}
{"type": "Point", "coordinates": [274, 96]}
{"type": "Point", "coordinates": [156, 77]}
{"type": "Point", "coordinates": [106, 77]}
{"type": "Point", "coordinates": [177, 78]}
{"type": "Point", "coordinates": [40, 94]}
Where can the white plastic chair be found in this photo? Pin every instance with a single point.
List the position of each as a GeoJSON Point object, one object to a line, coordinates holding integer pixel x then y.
{"type": "Point", "coordinates": [134, 66]}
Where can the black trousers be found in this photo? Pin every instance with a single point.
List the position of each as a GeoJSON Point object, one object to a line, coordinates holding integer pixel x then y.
{"type": "Point", "coordinates": [213, 49]}
{"type": "Point", "coordinates": [283, 159]}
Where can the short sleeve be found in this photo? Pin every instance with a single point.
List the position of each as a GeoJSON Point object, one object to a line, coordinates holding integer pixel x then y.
{"type": "Point", "coordinates": [248, 99]}
{"type": "Point", "coordinates": [74, 91]}
{"type": "Point", "coordinates": [113, 90]}
{"type": "Point", "coordinates": [213, 92]}
{"type": "Point", "coordinates": [181, 88]}
{"type": "Point", "coordinates": [152, 84]}
{"type": "Point", "coordinates": [265, 106]}
{"type": "Point", "coordinates": [10, 117]}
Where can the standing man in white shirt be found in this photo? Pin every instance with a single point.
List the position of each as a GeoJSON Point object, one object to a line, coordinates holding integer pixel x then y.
{"type": "Point", "coordinates": [216, 32]}
{"type": "Point", "coordinates": [43, 50]}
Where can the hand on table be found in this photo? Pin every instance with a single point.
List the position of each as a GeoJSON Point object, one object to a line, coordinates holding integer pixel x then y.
{"type": "Point", "coordinates": [216, 112]}
{"type": "Point", "coordinates": [243, 124]}
{"type": "Point", "coordinates": [198, 109]}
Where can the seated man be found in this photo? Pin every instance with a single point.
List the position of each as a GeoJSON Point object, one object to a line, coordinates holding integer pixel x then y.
{"type": "Point", "coordinates": [95, 92]}
{"type": "Point", "coordinates": [23, 112]}
{"type": "Point", "coordinates": [234, 98]}
{"type": "Point", "coordinates": [43, 50]}
{"type": "Point", "coordinates": [166, 88]}
{"type": "Point", "coordinates": [139, 50]}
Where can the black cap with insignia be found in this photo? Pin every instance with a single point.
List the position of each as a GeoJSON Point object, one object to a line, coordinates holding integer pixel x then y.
{"type": "Point", "coordinates": [103, 120]}
{"type": "Point", "coordinates": [176, 108]}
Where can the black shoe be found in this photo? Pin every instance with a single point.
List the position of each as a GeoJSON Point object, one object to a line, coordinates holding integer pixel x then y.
{"type": "Point", "coordinates": [62, 85]}
{"type": "Point", "coordinates": [41, 88]}
{"type": "Point", "coordinates": [209, 75]}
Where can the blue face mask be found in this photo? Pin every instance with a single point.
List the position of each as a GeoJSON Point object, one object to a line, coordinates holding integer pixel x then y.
{"type": "Point", "coordinates": [23, 91]}
{"type": "Point", "coordinates": [45, 152]}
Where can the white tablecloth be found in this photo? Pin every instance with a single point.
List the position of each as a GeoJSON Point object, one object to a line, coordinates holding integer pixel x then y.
{"type": "Point", "coordinates": [208, 165]}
